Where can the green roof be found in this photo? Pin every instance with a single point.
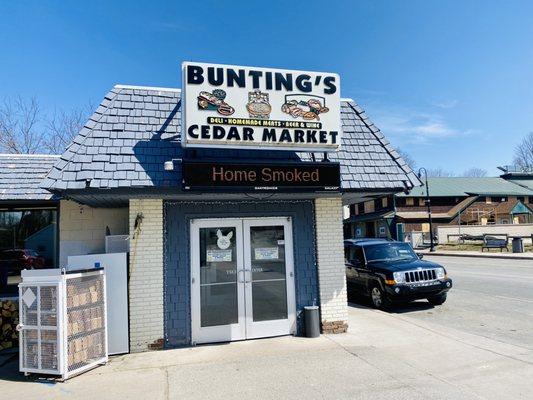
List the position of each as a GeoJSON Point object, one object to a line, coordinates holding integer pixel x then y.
{"type": "Point", "coordinates": [522, 181]}
{"type": "Point", "coordinates": [521, 208]}
{"type": "Point", "coordinates": [459, 186]}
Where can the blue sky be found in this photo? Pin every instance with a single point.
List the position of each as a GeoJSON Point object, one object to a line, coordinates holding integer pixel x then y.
{"type": "Point", "coordinates": [450, 82]}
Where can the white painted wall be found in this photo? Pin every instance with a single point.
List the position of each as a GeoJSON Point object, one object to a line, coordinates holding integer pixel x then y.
{"type": "Point", "coordinates": [146, 275]}
{"type": "Point", "coordinates": [331, 268]}
{"type": "Point", "coordinates": [82, 228]}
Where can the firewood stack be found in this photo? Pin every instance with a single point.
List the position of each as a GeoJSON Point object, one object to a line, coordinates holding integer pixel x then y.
{"type": "Point", "coordinates": [86, 321]}
{"type": "Point", "coordinates": [9, 318]}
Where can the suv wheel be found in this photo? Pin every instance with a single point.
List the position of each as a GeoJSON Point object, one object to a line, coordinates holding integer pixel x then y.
{"type": "Point", "coordinates": [437, 300]}
{"type": "Point", "coordinates": [379, 300]}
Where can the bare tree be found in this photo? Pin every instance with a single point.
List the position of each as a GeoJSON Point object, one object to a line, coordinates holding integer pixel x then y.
{"type": "Point", "coordinates": [407, 158]}
{"type": "Point", "coordinates": [20, 130]}
{"type": "Point", "coordinates": [475, 172]}
{"type": "Point", "coordinates": [24, 128]}
{"type": "Point", "coordinates": [523, 154]}
{"type": "Point", "coordinates": [62, 127]}
{"type": "Point", "coordinates": [439, 172]}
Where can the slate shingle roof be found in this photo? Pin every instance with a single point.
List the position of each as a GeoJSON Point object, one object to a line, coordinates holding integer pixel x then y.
{"type": "Point", "coordinates": [21, 175]}
{"type": "Point", "coordinates": [135, 130]}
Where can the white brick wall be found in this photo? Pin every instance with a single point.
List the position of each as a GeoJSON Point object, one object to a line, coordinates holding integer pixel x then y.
{"type": "Point", "coordinates": [82, 228]}
{"type": "Point", "coordinates": [146, 275]}
{"type": "Point", "coordinates": [330, 257]}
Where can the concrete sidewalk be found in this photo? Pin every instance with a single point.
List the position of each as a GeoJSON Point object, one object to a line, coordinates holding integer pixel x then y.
{"type": "Point", "coordinates": [485, 254]}
{"type": "Point", "coordinates": [383, 356]}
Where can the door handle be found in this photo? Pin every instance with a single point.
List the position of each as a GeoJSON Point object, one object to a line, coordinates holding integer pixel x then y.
{"type": "Point", "coordinates": [245, 279]}
{"type": "Point", "coordinates": [239, 275]}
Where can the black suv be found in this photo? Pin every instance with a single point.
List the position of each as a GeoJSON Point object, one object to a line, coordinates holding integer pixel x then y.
{"type": "Point", "coordinates": [391, 272]}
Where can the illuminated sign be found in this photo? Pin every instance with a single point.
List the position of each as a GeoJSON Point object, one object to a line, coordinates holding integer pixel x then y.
{"type": "Point", "coordinates": [254, 177]}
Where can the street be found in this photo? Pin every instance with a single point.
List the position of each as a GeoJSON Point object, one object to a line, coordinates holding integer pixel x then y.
{"type": "Point", "coordinates": [492, 298]}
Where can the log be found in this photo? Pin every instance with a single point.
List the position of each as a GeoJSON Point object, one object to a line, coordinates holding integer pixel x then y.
{"type": "Point", "coordinates": [9, 318]}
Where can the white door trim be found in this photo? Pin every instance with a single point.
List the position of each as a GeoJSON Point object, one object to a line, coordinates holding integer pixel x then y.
{"type": "Point", "coordinates": [245, 328]}
{"type": "Point", "coordinates": [223, 333]}
{"type": "Point", "coordinates": [273, 327]}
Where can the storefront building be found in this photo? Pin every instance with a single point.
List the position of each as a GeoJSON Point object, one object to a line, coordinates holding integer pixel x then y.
{"type": "Point", "coordinates": [233, 205]}
{"type": "Point", "coordinates": [455, 202]}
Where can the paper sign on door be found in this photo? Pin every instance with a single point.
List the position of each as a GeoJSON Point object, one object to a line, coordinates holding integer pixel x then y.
{"type": "Point", "coordinates": [218, 255]}
{"type": "Point", "coordinates": [266, 253]}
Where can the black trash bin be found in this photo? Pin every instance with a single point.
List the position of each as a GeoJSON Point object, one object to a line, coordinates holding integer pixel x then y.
{"type": "Point", "coordinates": [518, 245]}
{"type": "Point", "coordinates": [312, 321]}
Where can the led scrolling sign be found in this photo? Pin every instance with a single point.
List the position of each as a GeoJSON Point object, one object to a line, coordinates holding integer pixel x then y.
{"type": "Point", "coordinates": [259, 108]}
{"type": "Point", "coordinates": [254, 177]}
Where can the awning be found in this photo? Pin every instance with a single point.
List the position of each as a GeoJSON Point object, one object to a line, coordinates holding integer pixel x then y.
{"type": "Point", "coordinates": [372, 216]}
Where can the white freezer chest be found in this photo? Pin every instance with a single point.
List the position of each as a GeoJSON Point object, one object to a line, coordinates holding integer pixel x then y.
{"type": "Point", "coordinates": [62, 321]}
{"type": "Point", "coordinates": [115, 266]}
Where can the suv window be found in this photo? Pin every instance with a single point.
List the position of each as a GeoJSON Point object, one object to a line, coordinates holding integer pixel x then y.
{"type": "Point", "coordinates": [359, 256]}
{"type": "Point", "coordinates": [393, 251]}
{"type": "Point", "coordinates": [354, 254]}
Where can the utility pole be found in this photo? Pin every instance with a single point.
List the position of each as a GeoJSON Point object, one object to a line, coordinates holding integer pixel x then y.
{"type": "Point", "coordinates": [428, 204]}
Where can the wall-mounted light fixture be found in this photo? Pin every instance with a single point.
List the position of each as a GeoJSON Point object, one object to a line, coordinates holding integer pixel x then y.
{"type": "Point", "coordinates": [169, 165]}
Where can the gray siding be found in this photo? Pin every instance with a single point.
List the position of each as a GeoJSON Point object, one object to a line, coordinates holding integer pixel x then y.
{"type": "Point", "coordinates": [177, 216]}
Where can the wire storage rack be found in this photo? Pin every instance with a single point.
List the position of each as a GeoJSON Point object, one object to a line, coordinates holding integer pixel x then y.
{"type": "Point", "coordinates": [62, 321]}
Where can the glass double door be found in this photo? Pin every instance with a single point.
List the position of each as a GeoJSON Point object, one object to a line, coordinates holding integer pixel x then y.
{"type": "Point", "coordinates": [242, 279]}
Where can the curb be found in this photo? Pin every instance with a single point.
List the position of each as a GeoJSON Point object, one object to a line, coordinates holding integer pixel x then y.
{"type": "Point", "coordinates": [504, 257]}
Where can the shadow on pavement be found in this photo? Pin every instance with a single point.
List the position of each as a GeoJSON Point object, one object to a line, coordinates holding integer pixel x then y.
{"type": "Point", "coordinates": [9, 368]}
{"type": "Point", "coordinates": [420, 305]}
{"type": "Point", "coordinates": [361, 302]}
{"type": "Point", "coordinates": [9, 371]}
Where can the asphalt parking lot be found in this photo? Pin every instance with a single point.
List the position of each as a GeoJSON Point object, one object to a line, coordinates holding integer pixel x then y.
{"type": "Point", "coordinates": [475, 346]}
{"type": "Point", "coordinates": [492, 298]}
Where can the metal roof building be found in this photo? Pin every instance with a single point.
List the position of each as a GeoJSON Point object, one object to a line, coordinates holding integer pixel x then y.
{"type": "Point", "coordinates": [459, 186]}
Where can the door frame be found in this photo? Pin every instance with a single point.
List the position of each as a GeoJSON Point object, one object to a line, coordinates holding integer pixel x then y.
{"type": "Point", "coordinates": [245, 328]}
{"type": "Point", "coordinates": [272, 327]}
{"type": "Point", "coordinates": [219, 333]}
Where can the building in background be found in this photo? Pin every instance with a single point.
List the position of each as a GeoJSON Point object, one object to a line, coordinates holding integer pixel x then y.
{"type": "Point", "coordinates": [520, 175]}
{"type": "Point", "coordinates": [454, 201]}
